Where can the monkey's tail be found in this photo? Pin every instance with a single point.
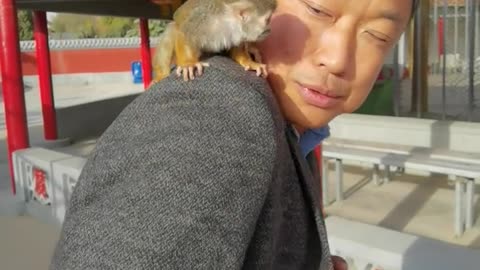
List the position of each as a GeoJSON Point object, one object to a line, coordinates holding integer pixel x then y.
{"type": "Point", "coordinates": [164, 52]}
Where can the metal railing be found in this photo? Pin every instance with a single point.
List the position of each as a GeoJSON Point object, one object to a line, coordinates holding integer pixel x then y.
{"type": "Point", "coordinates": [88, 43]}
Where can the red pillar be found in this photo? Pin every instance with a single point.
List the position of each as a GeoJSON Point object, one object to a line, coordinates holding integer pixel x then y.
{"type": "Point", "coordinates": [12, 83]}
{"type": "Point", "coordinates": [145, 50]}
{"type": "Point", "coordinates": [318, 156]}
{"type": "Point", "coordinates": [45, 75]}
{"type": "Point", "coordinates": [441, 32]}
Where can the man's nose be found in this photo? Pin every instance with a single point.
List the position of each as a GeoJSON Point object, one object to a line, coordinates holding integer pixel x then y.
{"type": "Point", "coordinates": [336, 48]}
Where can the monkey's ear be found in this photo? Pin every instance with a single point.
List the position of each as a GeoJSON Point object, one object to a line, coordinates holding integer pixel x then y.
{"type": "Point", "coordinates": [241, 8]}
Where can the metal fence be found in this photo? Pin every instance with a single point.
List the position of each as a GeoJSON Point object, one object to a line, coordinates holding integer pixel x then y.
{"type": "Point", "coordinates": [453, 63]}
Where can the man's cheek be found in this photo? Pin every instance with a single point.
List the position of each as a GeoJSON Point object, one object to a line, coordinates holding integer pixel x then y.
{"type": "Point", "coordinates": [287, 48]}
{"type": "Point", "coordinates": [355, 100]}
{"type": "Point", "coordinates": [362, 88]}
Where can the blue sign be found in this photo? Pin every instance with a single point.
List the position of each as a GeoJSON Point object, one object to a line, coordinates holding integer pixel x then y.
{"type": "Point", "coordinates": [136, 69]}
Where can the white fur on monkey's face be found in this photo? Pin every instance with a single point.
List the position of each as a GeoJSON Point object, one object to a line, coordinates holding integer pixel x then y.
{"type": "Point", "coordinates": [255, 27]}
{"type": "Point", "coordinates": [239, 23]}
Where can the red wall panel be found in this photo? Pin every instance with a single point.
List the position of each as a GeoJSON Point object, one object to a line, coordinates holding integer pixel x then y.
{"type": "Point", "coordinates": [84, 60]}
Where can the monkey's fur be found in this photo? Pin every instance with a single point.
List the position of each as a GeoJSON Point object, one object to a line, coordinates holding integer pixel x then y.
{"type": "Point", "coordinates": [212, 26]}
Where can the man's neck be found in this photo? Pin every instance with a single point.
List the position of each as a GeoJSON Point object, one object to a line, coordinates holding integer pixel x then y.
{"type": "Point", "coordinates": [298, 130]}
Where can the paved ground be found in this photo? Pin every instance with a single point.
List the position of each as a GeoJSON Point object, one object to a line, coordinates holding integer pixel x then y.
{"type": "Point", "coordinates": [25, 243]}
{"type": "Point", "coordinates": [413, 204]}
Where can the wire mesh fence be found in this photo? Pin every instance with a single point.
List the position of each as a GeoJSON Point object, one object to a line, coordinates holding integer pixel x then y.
{"type": "Point", "coordinates": [453, 63]}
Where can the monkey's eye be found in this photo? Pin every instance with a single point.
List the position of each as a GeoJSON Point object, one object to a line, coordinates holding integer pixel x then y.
{"type": "Point", "coordinates": [268, 19]}
{"type": "Point", "coordinates": [265, 19]}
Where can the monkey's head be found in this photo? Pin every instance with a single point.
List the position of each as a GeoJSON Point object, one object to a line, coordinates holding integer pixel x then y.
{"type": "Point", "coordinates": [253, 17]}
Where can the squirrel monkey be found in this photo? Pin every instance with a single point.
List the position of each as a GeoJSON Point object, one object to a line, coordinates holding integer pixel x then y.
{"type": "Point", "coordinates": [213, 26]}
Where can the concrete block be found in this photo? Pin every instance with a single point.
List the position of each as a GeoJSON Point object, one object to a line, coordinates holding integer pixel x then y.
{"type": "Point", "coordinates": [26, 162]}
{"type": "Point", "coordinates": [65, 175]}
{"type": "Point", "coordinates": [366, 246]}
{"type": "Point", "coordinates": [61, 173]}
{"type": "Point", "coordinates": [30, 165]}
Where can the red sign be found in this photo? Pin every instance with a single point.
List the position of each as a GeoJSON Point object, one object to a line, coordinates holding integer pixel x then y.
{"type": "Point", "coordinates": [39, 178]}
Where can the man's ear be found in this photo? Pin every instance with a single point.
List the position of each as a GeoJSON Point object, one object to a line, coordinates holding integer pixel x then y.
{"type": "Point", "coordinates": [241, 8]}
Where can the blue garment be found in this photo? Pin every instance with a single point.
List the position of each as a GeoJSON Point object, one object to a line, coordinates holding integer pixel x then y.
{"type": "Point", "coordinates": [311, 138]}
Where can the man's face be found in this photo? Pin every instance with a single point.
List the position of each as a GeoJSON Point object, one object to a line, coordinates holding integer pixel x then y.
{"type": "Point", "coordinates": [324, 56]}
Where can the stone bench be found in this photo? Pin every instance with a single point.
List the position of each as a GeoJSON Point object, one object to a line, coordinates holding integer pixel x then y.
{"type": "Point", "coordinates": [367, 247]}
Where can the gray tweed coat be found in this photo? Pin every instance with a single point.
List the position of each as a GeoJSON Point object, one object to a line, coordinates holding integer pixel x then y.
{"type": "Point", "coordinates": [197, 175]}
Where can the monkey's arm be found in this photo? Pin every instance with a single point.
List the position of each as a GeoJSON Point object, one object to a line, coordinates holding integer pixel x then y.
{"type": "Point", "coordinates": [187, 57]}
{"type": "Point", "coordinates": [173, 44]}
{"type": "Point", "coordinates": [241, 55]}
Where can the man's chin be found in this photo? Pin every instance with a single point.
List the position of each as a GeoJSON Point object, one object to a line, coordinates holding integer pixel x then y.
{"type": "Point", "coordinates": [317, 118]}
{"type": "Point", "coordinates": [304, 115]}
{"type": "Point", "coordinates": [311, 121]}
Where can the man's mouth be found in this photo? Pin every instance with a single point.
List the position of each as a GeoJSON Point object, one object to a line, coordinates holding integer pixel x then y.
{"type": "Point", "coordinates": [319, 96]}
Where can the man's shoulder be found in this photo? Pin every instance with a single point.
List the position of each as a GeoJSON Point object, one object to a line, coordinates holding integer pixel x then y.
{"type": "Point", "coordinates": [224, 86]}
{"type": "Point", "coordinates": [178, 151]}
{"type": "Point", "coordinates": [225, 96]}
{"type": "Point", "coordinates": [225, 108]}
{"type": "Point", "coordinates": [223, 77]}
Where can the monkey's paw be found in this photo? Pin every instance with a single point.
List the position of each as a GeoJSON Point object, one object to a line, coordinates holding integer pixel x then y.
{"type": "Point", "coordinates": [255, 52]}
{"type": "Point", "coordinates": [187, 72]}
{"type": "Point", "coordinates": [261, 69]}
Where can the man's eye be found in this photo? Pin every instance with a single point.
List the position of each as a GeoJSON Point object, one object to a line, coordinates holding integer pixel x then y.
{"type": "Point", "coordinates": [316, 11]}
{"type": "Point", "coordinates": [378, 36]}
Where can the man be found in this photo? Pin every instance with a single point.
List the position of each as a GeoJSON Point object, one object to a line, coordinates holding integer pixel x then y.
{"type": "Point", "coordinates": [210, 174]}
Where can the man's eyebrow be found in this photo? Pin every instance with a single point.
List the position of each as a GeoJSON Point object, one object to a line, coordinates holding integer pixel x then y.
{"type": "Point", "coordinates": [390, 15]}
